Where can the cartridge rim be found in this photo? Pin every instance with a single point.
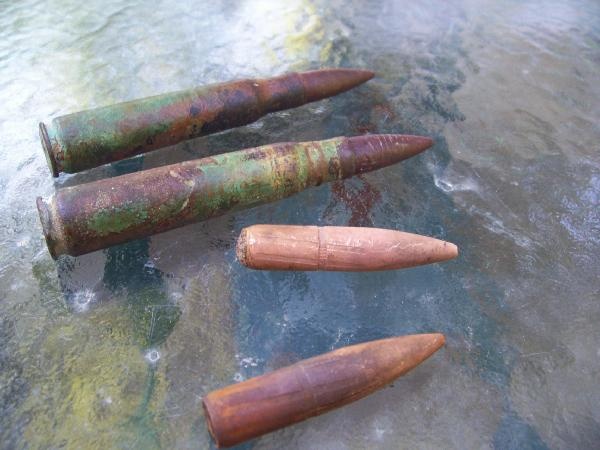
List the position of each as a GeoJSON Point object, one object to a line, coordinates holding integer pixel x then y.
{"type": "Point", "coordinates": [47, 227]}
{"type": "Point", "coordinates": [47, 146]}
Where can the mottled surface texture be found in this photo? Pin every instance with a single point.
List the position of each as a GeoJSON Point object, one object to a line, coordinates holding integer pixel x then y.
{"type": "Point", "coordinates": [116, 348]}
{"type": "Point", "coordinates": [91, 138]}
{"type": "Point", "coordinates": [96, 215]}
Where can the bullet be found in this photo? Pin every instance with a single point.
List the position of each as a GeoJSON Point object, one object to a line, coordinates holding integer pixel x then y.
{"type": "Point", "coordinates": [354, 249]}
{"type": "Point", "coordinates": [312, 387]}
{"type": "Point", "coordinates": [88, 139]}
{"type": "Point", "coordinates": [88, 217]}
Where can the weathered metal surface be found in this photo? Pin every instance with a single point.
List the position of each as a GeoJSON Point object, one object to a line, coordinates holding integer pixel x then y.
{"type": "Point", "coordinates": [88, 139]}
{"type": "Point", "coordinates": [357, 249]}
{"type": "Point", "coordinates": [312, 387]}
{"type": "Point", "coordinates": [88, 217]}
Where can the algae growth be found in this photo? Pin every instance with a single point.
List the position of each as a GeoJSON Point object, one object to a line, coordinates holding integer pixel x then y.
{"type": "Point", "coordinates": [95, 389]}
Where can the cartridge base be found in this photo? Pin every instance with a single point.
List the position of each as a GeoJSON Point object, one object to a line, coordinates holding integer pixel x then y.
{"type": "Point", "coordinates": [47, 146]}
{"type": "Point", "coordinates": [209, 424]}
{"type": "Point", "coordinates": [52, 229]}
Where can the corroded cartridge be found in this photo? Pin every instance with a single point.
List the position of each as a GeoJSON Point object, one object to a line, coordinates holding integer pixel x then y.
{"type": "Point", "coordinates": [311, 387]}
{"type": "Point", "coordinates": [356, 249]}
{"type": "Point", "coordinates": [87, 139]}
{"type": "Point", "coordinates": [88, 217]}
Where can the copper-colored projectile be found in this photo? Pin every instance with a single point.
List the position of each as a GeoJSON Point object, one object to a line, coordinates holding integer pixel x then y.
{"type": "Point", "coordinates": [88, 217]}
{"type": "Point", "coordinates": [98, 136]}
{"type": "Point", "coordinates": [356, 249]}
{"type": "Point", "coordinates": [311, 387]}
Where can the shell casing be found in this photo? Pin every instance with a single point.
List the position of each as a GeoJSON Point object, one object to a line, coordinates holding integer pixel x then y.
{"type": "Point", "coordinates": [312, 387]}
{"type": "Point", "coordinates": [357, 249]}
{"type": "Point", "coordinates": [87, 139]}
{"type": "Point", "coordinates": [88, 217]}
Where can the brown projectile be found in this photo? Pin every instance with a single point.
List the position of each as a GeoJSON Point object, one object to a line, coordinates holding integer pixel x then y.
{"type": "Point", "coordinates": [87, 139]}
{"type": "Point", "coordinates": [355, 249]}
{"type": "Point", "coordinates": [311, 387]}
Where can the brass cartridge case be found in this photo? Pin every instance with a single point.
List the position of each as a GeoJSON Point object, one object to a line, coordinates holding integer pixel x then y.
{"type": "Point", "coordinates": [88, 217]}
{"type": "Point", "coordinates": [87, 139]}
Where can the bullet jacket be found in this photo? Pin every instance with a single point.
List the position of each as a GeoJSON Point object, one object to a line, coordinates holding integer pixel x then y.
{"type": "Point", "coordinates": [88, 217]}
{"type": "Point", "coordinates": [358, 249]}
{"type": "Point", "coordinates": [311, 387]}
{"type": "Point", "coordinates": [87, 139]}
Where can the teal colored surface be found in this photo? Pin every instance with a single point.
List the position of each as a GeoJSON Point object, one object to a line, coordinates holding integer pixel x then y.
{"type": "Point", "coordinates": [115, 349]}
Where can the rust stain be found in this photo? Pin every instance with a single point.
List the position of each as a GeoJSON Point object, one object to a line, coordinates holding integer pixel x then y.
{"type": "Point", "coordinates": [359, 200]}
{"type": "Point", "coordinates": [379, 117]}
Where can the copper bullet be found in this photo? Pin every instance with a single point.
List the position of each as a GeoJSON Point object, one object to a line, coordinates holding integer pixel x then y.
{"type": "Point", "coordinates": [355, 249]}
{"type": "Point", "coordinates": [87, 139]}
{"type": "Point", "coordinates": [311, 387]}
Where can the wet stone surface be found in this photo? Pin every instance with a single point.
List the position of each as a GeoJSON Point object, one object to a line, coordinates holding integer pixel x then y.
{"type": "Point", "coordinates": [115, 349]}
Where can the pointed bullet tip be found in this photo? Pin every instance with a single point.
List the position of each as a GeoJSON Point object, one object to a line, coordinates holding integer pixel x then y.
{"type": "Point", "coordinates": [435, 341]}
{"type": "Point", "coordinates": [417, 144]}
{"type": "Point", "coordinates": [433, 337]}
{"type": "Point", "coordinates": [447, 250]}
{"type": "Point", "coordinates": [374, 151]}
{"type": "Point", "coordinates": [427, 141]}
{"type": "Point", "coordinates": [410, 143]}
{"type": "Point", "coordinates": [439, 338]}
{"type": "Point", "coordinates": [416, 348]}
{"type": "Point", "coordinates": [357, 75]}
{"type": "Point", "coordinates": [421, 143]}
{"type": "Point", "coordinates": [320, 84]}
{"type": "Point", "coordinates": [360, 74]}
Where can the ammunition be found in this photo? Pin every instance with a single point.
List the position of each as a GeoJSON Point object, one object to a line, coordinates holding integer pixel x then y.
{"type": "Point", "coordinates": [88, 217]}
{"type": "Point", "coordinates": [88, 139]}
{"type": "Point", "coordinates": [356, 249]}
{"type": "Point", "coordinates": [311, 387]}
